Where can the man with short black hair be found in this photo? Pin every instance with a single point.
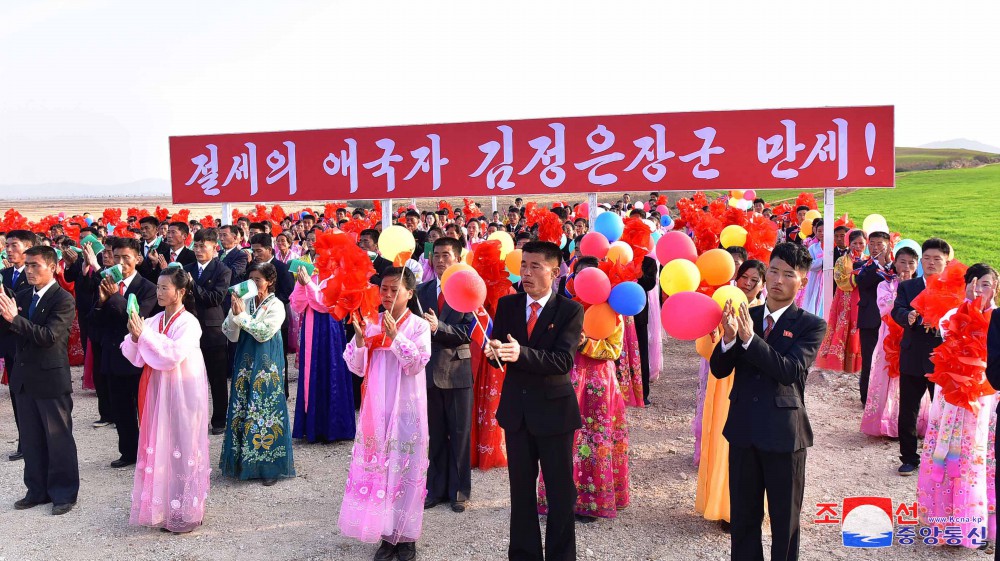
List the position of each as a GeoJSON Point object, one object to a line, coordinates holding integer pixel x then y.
{"type": "Point", "coordinates": [172, 248]}
{"type": "Point", "coordinates": [14, 280]}
{"type": "Point", "coordinates": [211, 285]}
{"type": "Point", "coordinates": [768, 350]}
{"type": "Point", "coordinates": [38, 321]}
{"type": "Point", "coordinates": [233, 256]}
{"type": "Point", "coordinates": [149, 268]}
{"type": "Point", "coordinates": [535, 337]}
{"type": "Point", "coordinates": [514, 224]}
{"type": "Point", "coordinates": [868, 275]}
{"type": "Point", "coordinates": [758, 205]}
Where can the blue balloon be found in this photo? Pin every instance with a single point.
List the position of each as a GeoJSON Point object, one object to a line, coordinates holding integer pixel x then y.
{"type": "Point", "coordinates": [572, 246]}
{"type": "Point", "coordinates": [514, 279]}
{"type": "Point", "coordinates": [627, 298]}
{"type": "Point", "coordinates": [610, 225]}
{"type": "Point", "coordinates": [90, 221]}
{"type": "Point", "coordinates": [656, 236]}
{"type": "Point", "coordinates": [666, 221]}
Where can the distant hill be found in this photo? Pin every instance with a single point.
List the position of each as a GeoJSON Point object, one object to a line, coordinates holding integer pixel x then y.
{"type": "Point", "coordinates": [141, 188]}
{"type": "Point", "coordinates": [963, 144]}
{"type": "Point", "coordinates": [919, 159]}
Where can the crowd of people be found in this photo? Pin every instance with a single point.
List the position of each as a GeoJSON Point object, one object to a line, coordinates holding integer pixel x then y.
{"type": "Point", "coordinates": [185, 330]}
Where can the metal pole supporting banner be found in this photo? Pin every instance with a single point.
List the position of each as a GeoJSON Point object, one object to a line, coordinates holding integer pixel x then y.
{"type": "Point", "coordinates": [227, 215]}
{"type": "Point", "coordinates": [828, 246]}
{"type": "Point", "coordinates": [386, 213]}
{"type": "Point", "coordinates": [591, 209]}
{"type": "Point", "coordinates": [494, 201]}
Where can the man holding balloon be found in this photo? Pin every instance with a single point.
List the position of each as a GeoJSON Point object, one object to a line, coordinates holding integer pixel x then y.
{"type": "Point", "coordinates": [769, 350]}
{"type": "Point", "coordinates": [536, 335]}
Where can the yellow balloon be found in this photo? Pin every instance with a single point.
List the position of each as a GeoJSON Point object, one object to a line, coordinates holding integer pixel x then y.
{"type": "Point", "coordinates": [679, 275]}
{"type": "Point", "coordinates": [467, 256]}
{"type": "Point", "coordinates": [506, 242]}
{"type": "Point", "coordinates": [875, 223]}
{"type": "Point", "coordinates": [513, 262]}
{"type": "Point", "coordinates": [454, 269]}
{"type": "Point", "coordinates": [620, 253]}
{"type": "Point", "coordinates": [812, 215]}
{"type": "Point", "coordinates": [729, 292]}
{"type": "Point", "coordinates": [733, 235]}
{"type": "Point", "coordinates": [395, 240]}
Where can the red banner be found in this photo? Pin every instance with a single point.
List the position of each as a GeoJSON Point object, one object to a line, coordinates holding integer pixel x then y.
{"type": "Point", "coordinates": [765, 149]}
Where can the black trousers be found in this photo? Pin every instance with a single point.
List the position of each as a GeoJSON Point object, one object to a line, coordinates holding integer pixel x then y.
{"type": "Point", "coordinates": [217, 365]}
{"type": "Point", "coordinates": [51, 469]}
{"type": "Point", "coordinates": [449, 422]}
{"type": "Point", "coordinates": [101, 386]}
{"type": "Point", "coordinates": [869, 338]}
{"type": "Point", "coordinates": [8, 361]}
{"type": "Point", "coordinates": [642, 330]}
{"type": "Point", "coordinates": [124, 392]}
{"type": "Point", "coordinates": [525, 451]}
{"type": "Point", "coordinates": [911, 391]}
{"type": "Point", "coordinates": [782, 477]}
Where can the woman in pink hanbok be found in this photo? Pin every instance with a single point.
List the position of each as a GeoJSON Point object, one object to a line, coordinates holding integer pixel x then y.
{"type": "Point", "coordinates": [172, 471]}
{"type": "Point", "coordinates": [881, 416]}
{"type": "Point", "coordinates": [387, 481]}
{"type": "Point", "coordinates": [956, 484]}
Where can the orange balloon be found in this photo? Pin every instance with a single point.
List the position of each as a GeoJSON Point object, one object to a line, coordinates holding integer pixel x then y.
{"type": "Point", "coordinates": [717, 267]}
{"type": "Point", "coordinates": [704, 345]}
{"type": "Point", "coordinates": [620, 253]}
{"type": "Point", "coordinates": [599, 321]}
{"type": "Point", "coordinates": [454, 269]}
{"type": "Point", "coordinates": [513, 262]}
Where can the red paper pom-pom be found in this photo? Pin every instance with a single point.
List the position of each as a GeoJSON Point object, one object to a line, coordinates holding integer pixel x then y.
{"type": "Point", "coordinates": [960, 361]}
{"type": "Point", "coordinates": [549, 227]}
{"type": "Point", "coordinates": [638, 236]}
{"type": "Point", "coordinates": [346, 268]}
{"type": "Point", "coordinates": [944, 292]}
{"type": "Point", "coordinates": [806, 199]}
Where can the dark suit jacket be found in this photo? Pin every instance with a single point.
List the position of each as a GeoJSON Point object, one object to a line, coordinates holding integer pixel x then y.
{"type": "Point", "coordinates": [7, 343]}
{"type": "Point", "coordinates": [149, 269]}
{"type": "Point", "coordinates": [286, 282]}
{"type": "Point", "coordinates": [766, 405]}
{"type": "Point", "coordinates": [918, 343]}
{"type": "Point", "coordinates": [40, 359]}
{"type": "Point", "coordinates": [209, 295]}
{"type": "Point", "coordinates": [868, 279]}
{"type": "Point", "coordinates": [537, 390]}
{"type": "Point", "coordinates": [647, 281]}
{"type": "Point", "coordinates": [85, 288]}
{"type": "Point", "coordinates": [450, 366]}
{"type": "Point", "coordinates": [113, 322]}
{"type": "Point", "coordinates": [237, 261]}
{"type": "Point", "coordinates": [185, 257]}
{"type": "Point", "coordinates": [381, 264]}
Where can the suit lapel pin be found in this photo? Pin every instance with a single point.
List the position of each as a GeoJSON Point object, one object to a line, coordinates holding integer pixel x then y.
{"type": "Point", "coordinates": [787, 333]}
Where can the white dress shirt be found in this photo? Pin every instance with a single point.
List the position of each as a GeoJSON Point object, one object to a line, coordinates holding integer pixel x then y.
{"type": "Point", "coordinates": [541, 301]}
{"type": "Point", "coordinates": [44, 289]}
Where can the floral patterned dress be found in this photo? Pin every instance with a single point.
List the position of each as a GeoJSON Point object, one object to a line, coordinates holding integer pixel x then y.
{"type": "Point", "coordinates": [258, 443]}
{"type": "Point", "coordinates": [600, 448]}
{"type": "Point", "coordinates": [629, 370]}
{"type": "Point", "coordinates": [841, 348]}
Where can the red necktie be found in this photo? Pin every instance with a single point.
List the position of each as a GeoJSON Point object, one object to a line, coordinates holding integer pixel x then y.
{"type": "Point", "coordinates": [768, 326]}
{"type": "Point", "coordinates": [121, 288]}
{"type": "Point", "coordinates": [173, 256]}
{"type": "Point", "coordinates": [440, 302]}
{"type": "Point", "coordinates": [533, 317]}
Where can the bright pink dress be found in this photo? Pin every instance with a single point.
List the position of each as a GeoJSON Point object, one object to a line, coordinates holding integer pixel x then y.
{"type": "Point", "coordinates": [173, 467]}
{"type": "Point", "coordinates": [629, 367]}
{"type": "Point", "coordinates": [387, 478]}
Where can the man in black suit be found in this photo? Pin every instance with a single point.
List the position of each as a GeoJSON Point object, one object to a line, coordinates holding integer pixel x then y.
{"type": "Point", "coordinates": [647, 281]}
{"type": "Point", "coordinates": [211, 284]}
{"type": "Point", "coordinates": [14, 280]}
{"type": "Point", "coordinates": [449, 387]}
{"type": "Point", "coordinates": [233, 256]}
{"type": "Point", "coordinates": [172, 248]}
{"type": "Point", "coordinates": [769, 350]}
{"type": "Point", "coordinates": [150, 267]}
{"type": "Point", "coordinates": [39, 321]}
{"type": "Point", "coordinates": [262, 246]}
{"type": "Point", "coordinates": [110, 313]}
{"type": "Point", "coordinates": [869, 275]}
{"type": "Point", "coordinates": [536, 336]}
{"type": "Point", "coordinates": [915, 352]}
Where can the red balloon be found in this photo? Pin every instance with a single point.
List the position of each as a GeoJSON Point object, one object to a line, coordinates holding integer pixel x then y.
{"type": "Point", "coordinates": [466, 291]}
{"type": "Point", "coordinates": [690, 315]}
{"type": "Point", "coordinates": [675, 245]}
{"type": "Point", "coordinates": [592, 285]}
{"type": "Point", "coordinates": [594, 244]}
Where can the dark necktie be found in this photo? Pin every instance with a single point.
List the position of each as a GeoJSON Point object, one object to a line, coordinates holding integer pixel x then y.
{"type": "Point", "coordinates": [13, 279]}
{"type": "Point", "coordinates": [199, 272]}
{"type": "Point", "coordinates": [768, 326]}
{"type": "Point", "coordinates": [34, 302]}
{"type": "Point", "coordinates": [533, 317]}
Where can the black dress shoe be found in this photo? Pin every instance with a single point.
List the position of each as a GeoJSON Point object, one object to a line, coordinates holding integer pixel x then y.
{"type": "Point", "coordinates": [122, 462]}
{"type": "Point", "coordinates": [216, 431]}
{"type": "Point", "coordinates": [27, 503]}
{"type": "Point", "coordinates": [269, 482]}
{"type": "Point", "coordinates": [15, 456]}
{"type": "Point", "coordinates": [58, 510]}
{"type": "Point", "coordinates": [458, 506]}
{"type": "Point", "coordinates": [431, 503]}
{"type": "Point", "coordinates": [406, 551]}
{"type": "Point", "coordinates": [585, 519]}
{"type": "Point", "coordinates": [386, 552]}
{"type": "Point", "coordinates": [725, 525]}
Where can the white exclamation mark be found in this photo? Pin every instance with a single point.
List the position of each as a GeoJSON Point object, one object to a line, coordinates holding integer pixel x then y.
{"type": "Point", "coordinates": [870, 144]}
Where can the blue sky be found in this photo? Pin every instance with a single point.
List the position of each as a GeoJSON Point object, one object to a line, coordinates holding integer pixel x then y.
{"type": "Point", "coordinates": [90, 90]}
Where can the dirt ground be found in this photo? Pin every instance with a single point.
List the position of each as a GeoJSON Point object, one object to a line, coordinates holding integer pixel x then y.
{"type": "Point", "coordinates": [297, 519]}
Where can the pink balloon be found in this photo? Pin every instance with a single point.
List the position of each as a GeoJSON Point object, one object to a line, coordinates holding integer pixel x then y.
{"type": "Point", "coordinates": [465, 291]}
{"type": "Point", "coordinates": [690, 315]}
{"type": "Point", "coordinates": [594, 244]}
{"type": "Point", "coordinates": [675, 245]}
{"type": "Point", "coordinates": [593, 286]}
{"type": "Point", "coordinates": [583, 209]}
{"type": "Point", "coordinates": [749, 195]}
{"type": "Point", "coordinates": [663, 210]}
